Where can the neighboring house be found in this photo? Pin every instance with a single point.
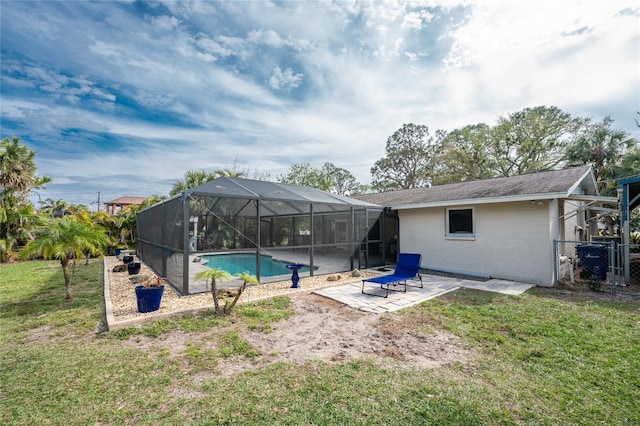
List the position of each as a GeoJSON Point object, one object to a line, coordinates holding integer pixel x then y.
{"type": "Point", "coordinates": [502, 227]}
{"type": "Point", "coordinates": [122, 203]}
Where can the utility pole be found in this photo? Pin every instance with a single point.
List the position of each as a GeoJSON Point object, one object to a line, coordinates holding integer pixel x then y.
{"type": "Point", "coordinates": [98, 200]}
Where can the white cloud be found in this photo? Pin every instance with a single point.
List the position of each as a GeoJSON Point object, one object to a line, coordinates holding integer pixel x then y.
{"type": "Point", "coordinates": [269, 37]}
{"type": "Point", "coordinates": [216, 48]}
{"type": "Point", "coordinates": [285, 80]}
{"type": "Point", "coordinates": [515, 54]}
{"type": "Point", "coordinates": [164, 23]}
{"type": "Point", "coordinates": [416, 20]}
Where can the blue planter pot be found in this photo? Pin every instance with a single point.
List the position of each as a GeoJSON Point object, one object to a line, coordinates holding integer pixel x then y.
{"type": "Point", "coordinates": [149, 298]}
{"type": "Point", "coordinates": [127, 259]}
{"type": "Point", "coordinates": [133, 268]}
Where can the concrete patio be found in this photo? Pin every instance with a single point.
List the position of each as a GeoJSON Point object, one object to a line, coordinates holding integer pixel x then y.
{"type": "Point", "coordinates": [434, 286]}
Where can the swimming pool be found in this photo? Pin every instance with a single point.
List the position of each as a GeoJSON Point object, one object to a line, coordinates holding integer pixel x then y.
{"type": "Point", "coordinates": [237, 263]}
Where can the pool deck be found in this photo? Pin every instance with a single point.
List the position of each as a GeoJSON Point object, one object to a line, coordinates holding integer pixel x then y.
{"type": "Point", "coordinates": [324, 265]}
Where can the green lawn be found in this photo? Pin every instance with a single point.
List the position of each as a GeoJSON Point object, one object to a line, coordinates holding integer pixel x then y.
{"type": "Point", "coordinates": [548, 357]}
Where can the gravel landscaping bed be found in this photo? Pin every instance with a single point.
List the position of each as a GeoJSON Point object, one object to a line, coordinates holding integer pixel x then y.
{"type": "Point", "coordinates": [122, 309]}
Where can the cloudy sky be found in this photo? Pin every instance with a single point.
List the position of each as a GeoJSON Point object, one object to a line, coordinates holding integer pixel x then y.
{"type": "Point", "coordinates": [122, 98]}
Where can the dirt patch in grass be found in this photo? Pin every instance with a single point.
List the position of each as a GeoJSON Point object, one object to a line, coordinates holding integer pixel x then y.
{"type": "Point", "coordinates": [326, 330]}
{"type": "Point", "coordinates": [321, 329]}
{"type": "Point", "coordinates": [41, 334]}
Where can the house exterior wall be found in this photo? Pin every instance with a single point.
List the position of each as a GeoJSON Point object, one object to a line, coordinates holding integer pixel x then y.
{"type": "Point", "coordinates": [114, 208]}
{"type": "Point", "coordinates": [512, 240]}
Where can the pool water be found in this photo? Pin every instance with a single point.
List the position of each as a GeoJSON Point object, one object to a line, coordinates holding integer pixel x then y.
{"type": "Point", "coordinates": [237, 263]}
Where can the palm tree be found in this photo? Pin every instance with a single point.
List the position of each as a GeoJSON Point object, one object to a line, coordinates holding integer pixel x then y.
{"type": "Point", "coordinates": [65, 239]}
{"type": "Point", "coordinates": [17, 178]}
{"type": "Point", "coordinates": [214, 275]}
{"type": "Point", "coordinates": [50, 206]}
{"type": "Point", "coordinates": [602, 147]}
{"type": "Point", "coordinates": [17, 167]}
{"type": "Point", "coordinates": [17, 222]}
{"type": "Point", "coordinates": [229, 172]}
{"type": "Point", "coordinates": [126, 223]}
{"type": "Point", "coordinates": [88, 219]}
{"type": "Point", "coordinates": [108, 222]}
{"type": "Point", "coordinates": [246, 278]}
{"type": "Point", "coordinates": [629, 164]}
{"type": "Point", "coordinates": [193, 178]}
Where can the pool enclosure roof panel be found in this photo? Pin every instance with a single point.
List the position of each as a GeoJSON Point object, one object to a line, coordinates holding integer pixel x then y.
{"type": "Point", "coordinates": [263, 190]}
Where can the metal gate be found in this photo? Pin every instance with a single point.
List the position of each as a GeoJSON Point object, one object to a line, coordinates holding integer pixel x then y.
{"type": "Point", "coordinates": [592, 264]}
{"type": "Point", "coordinates": [627, 276]}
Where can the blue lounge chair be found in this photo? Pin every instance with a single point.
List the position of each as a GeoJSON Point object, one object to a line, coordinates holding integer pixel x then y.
{"type": "Point", "coordinates": [407, 268]}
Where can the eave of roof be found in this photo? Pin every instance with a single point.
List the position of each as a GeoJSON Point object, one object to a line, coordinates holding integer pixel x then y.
{"type": "Point", "coordinates": [594, 198]}
{"type": "Point", "coordinates": [485, 200]}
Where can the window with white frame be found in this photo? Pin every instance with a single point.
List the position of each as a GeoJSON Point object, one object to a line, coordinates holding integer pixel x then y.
{"type": "Point", "coordinates": [460, 222]}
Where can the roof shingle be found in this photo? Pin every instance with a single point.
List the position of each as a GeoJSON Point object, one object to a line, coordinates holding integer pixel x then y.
{"type": "Point", "coordinates": [126, 200]}
{"type": "Point", "coordinates": [550, 182]}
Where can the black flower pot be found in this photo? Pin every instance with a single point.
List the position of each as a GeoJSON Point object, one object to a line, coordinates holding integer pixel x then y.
{"type": "Point", "coordinates": [127, 259]}
{"type": "Point", "coordinates": [149, 298]}
{"type": "Point", "coordinates": [133, 268]}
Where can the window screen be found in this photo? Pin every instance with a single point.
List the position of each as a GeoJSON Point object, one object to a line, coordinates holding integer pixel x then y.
{"type": "Point", "coordinates": [460, 221]}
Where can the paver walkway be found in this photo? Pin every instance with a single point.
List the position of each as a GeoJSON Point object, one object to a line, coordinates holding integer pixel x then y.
{"type": "Point", "coordinates": [351, 294]}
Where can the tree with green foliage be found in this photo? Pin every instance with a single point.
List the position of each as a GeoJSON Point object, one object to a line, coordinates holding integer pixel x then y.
{"type": "Point", "coordinates": [61, 207]}
{"type": "Point", "coordinates": [50, 206]}
{"type": "Point", "coordinates": [341, 181]}
{"type": "Point", "coordinates": [212, 276]}
{"type": "Point", "coordinates": [192, 178]}
{"type": "Point", "coordinates": [65, 239]}
{"type": "Point", "coordinates": [246, 278]}
{"type": "Point", "coordinates": [531, 140]}
{"type": "Point", "coordinates": [410, 159]}
{"type": "Point", "coordinates": [630, 163]}
{"type": "Point", "coordinates": [330, 178]}
{"type": "Point", "coordinates": [17, 178]}
{"type": "Point", "coordinates": [604, 148]}
{"type": "Point", "coordinates": [125, 221]}
{"type": "Point", "coordinates": [108, 223]}
{"type": "Point", "coordinates": [464, 156]}
{"type": "Point", "coordinates": [17, 222]}
{"type": "Point", "coordinates": [305, 175]}
{"type": "Point", "coordinates": [17, 167]}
